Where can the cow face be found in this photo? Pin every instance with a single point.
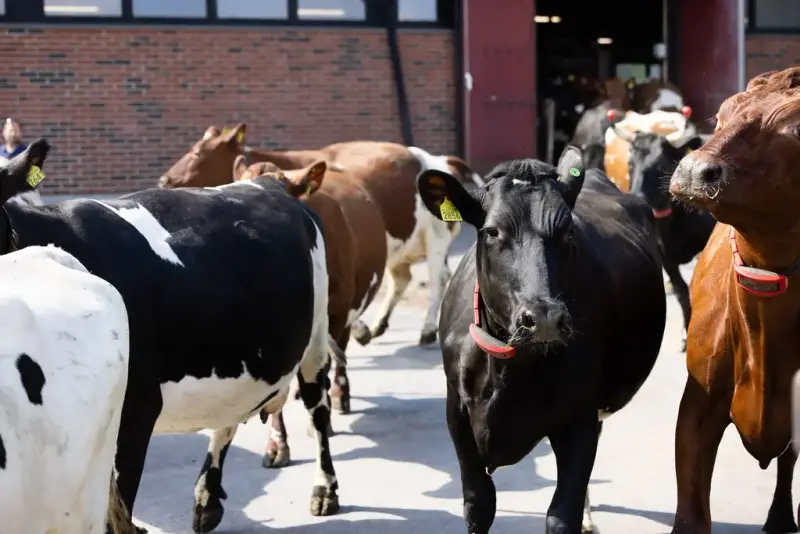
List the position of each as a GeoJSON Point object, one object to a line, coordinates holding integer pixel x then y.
{"type": "Point", "coordinates": [19, 174]}
{"type": "Point", "coordinates": [651, 161]}
{"type": "Point", "coordinates": [525, 244]}
{"type": "Point", "coordinates": [746, 174]}
{"type": "Point", "coordinates": [209, 162]}
{"type": "Point", "coordinates": [299, 183]}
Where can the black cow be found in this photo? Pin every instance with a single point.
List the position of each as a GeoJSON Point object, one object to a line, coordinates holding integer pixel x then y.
{"type": "Point", "coordinates": [682, 231]}
{"type": "Point", "coordinates": [552, 321]}
{"type": "Point", "coordinates": [227, 296]}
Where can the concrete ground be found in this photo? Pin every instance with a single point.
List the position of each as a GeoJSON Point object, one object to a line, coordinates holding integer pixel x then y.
{"type": "Point", "coordinates": [398, 472]}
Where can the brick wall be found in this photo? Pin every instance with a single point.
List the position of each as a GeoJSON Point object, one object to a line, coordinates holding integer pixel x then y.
{"type": "Point", "coordinates": [771, 52]}
{"type": "Point", "coordinates": [121, 105]}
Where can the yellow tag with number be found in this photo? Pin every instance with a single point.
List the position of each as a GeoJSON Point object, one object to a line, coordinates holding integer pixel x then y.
{"type": "Point", "coordinates": [239, 136]}
{"type": "Point", "coordinates": [35, 176]}
{"type": "Point", "coordinates": [449, 212]}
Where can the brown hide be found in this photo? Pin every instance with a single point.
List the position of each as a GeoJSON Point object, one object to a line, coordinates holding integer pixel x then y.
{"type": "Point", "coordinates": [742, 348]}
{"type": "Point", "coordinates": [355, 239]}
{"type": "Point", "coordinates": [387, 171]}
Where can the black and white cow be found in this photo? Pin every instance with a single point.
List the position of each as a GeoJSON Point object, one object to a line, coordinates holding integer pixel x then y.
{"type": "Point", "coordinates": [552, 321]}
{"type": "Point", "coordinates": [227, 296]}
{"type": "Point", "coordinates": [63, 374]}
{"type": "Point", "coordinates": [682, 231]}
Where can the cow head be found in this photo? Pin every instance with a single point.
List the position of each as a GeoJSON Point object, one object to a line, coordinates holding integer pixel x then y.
{"type": "Point", "coordinates": [651, 161]}
{"type": "Point", "coordinates": [24, 171]}
{"type": "Point", "coordinates": [747, 174]}
{"type": "Point", "coordinates": [209, 161]}
{"type": "Point", "coordinates": [526, 240]}
{"type": "Point", "coordinates": [299, 183]}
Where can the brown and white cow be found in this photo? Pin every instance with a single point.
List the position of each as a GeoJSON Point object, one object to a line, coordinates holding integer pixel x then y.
{"type": "Point", "coordinates": [387, 171]}
{"type": "Point", "coordinates": [355, 247]}
{"type": "Point", "coordinates": [675, 127]}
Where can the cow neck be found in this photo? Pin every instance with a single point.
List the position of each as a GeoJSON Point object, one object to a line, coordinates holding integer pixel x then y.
{"type": "Point", "coordinates": [759, 282]}
{"type": "Point", "coordinates": [487, 342]}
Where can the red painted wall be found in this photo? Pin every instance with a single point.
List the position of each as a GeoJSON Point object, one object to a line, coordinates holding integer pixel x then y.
{"type": "Point", "coordinates": [708, 58]}
{"type": "Point", "coordinates": [500, 54]}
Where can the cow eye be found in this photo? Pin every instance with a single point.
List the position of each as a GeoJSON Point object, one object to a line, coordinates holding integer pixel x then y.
{"type": "Point", "coordinates": [491, 232]}
{"type": "Point", "coordinates": [795, 130]}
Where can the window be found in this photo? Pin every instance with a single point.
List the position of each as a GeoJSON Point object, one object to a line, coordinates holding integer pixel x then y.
{"type": "Point", "coordinates": [2, 7]}
{"type": "Point", "coordinates": [331, 10]}
{"type": "Point", "coordinates": [169, 8]}
{"type": "Point", "coordinates": [417, 10]}
{"type": "Point", "coordinates": [775, 14]}
{"type": "Point", "coordinates": [249, 9]}
{"type": "Point", "coordinates": [82, 8]}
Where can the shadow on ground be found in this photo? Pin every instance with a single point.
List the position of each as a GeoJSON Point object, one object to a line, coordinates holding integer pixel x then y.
{"type": "Point", "coordinates": [666, 519]}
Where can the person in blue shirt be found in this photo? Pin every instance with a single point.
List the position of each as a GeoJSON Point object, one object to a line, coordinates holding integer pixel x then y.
{"type": "Point", "coordinates": [12, 135]}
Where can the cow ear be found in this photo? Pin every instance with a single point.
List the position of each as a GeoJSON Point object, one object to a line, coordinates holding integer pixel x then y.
{"type": "Point", "coordinates": [24, 171]}
{"type": "Point", "coordinates": [445, 197]}
{"type": "Point", "coordinates": [239, 167]}
{"type": "Point", "coordinates": [571, 172]}
{"type": "Point", "coordinates": [235, 136]}
{"type": "Point", "coordinates": [211, 131]}
{"type": "Point", "coordinates": [312, 179]}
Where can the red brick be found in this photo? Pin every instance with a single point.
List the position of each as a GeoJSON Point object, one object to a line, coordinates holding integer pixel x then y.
{"type": "Point", "coordinates": [771, 52]}
{"type": "Point", "coordinates": [121, 105]}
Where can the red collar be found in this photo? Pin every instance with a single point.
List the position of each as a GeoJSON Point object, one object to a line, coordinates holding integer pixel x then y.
{"type": "Point", "coordinates": [487, 342]}
{"type": "Point", "coordinates": [661, 214]}
{"type": "Point", "coordinates": [759, 282]}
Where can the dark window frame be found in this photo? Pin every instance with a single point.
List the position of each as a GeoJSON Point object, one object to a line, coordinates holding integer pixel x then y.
{"type": "Point", "coordinates": [752, 23]}
{"type": "Point", "coordinates": [32, 12]}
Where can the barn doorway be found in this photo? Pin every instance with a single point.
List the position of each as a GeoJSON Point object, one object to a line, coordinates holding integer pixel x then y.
{"type": "Point", "coordinates": [580, 42]}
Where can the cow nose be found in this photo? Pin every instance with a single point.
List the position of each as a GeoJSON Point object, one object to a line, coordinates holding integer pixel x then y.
{"type": "Point", "coordinates": [709, 172]}
{"type": "Point", "coordinates": [527, 319]}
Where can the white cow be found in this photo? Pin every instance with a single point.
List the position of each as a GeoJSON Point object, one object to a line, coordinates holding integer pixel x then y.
{"type": "Point", "coordinates": [63, 376]}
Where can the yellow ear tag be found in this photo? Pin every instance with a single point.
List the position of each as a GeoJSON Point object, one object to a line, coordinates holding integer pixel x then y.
{"type": "Point", "coordinates": [308, 188]}
{"type": "Point", "coordinates": [240, 137]}
{"type": "Point", "coordinates": [35, 176]}
{"type": "Point", "coordinates": [449, 212]}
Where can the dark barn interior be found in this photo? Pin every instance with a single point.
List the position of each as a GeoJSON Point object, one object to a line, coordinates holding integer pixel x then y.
{"type": "Point", "coordinates": [579, 42]}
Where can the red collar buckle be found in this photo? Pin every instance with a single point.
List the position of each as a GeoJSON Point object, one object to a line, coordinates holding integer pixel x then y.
{"type": "Point", "coordinates": [759, 282]}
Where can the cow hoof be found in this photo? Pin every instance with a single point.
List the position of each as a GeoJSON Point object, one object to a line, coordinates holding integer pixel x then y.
{"type": "Point", "coordinates": [341, 404]}
{"type": "Point", "coordinates": [382, 327]}
{"type": "Point", "coordinates": [277, 458]}
{"type": "Point", "coordinates": [427, 338]}
{"type": "Point", "coordinates": [360, 332]}
{"type": "Point", "coordinates": [208, 518]}
{"type": "Point", "coordinates": [324, 502]}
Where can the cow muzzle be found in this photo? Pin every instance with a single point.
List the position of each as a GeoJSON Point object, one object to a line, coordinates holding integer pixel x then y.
{"type": "Point", "coordinates": [544, 321]}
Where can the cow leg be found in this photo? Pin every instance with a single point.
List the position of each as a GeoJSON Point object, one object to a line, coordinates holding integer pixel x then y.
{"type": "Point", "coordinates": [575, 448]}
{"type": "Point", "coordinates": [340, 388]}
{"type": "Point", "coordinates": [587, 525]}
{"type": "Point", "coordinates": [480, 497]}
{"type": "Point", "coordinates": [278, 453]}
{"type": "Point", "coordinates": [780, 519]}
{"type": "Point", "coordinates": [399, 278]}
{"type": "Point", "coordinates": [438, 243]}
{"type": "Point", "coordinates": [681, 291]}
{"type": "Point", "coordinates": [136, 427]}
{"type": "Point", "coordinates": [313, 378]}
{"type": "Point", "coordinates": [701, 424]}
{"type": "Point", "coordinates": [208, 492]}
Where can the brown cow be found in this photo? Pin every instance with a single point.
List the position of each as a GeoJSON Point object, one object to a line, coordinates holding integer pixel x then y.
{"type": "Point", "coordinates": [744, 344]}
{"type": "Point", "coordinates": [355, 246]}
{"type": "Point", "coordinates": [387, 171]}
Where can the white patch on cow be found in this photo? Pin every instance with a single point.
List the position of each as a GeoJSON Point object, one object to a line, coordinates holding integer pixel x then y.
{"type": "Point", "coordinates": [147, 225]}
{"type": "Point", "coordinates": [60, 453]}
{"type": "Point", "coordinates": [587, 525]}
{"type": "Point", "coordinates": [637, 122]}
{"type": "Point", "coordinates": [352, 315]}
{"type": "Point", "coordinates": [240, 183]}
{"type": "Point", "coordinates": [4, 161]}
{"type": "Point", "coordinates": [517, 181]}
{"type": "Point", "coordinates": [667, 98]}
{"type": "Point", "coordinates": [429, 161]}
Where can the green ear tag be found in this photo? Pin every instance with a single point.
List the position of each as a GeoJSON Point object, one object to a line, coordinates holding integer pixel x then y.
{"type": "Point", "coordinates": [575, 172]}
{"type": "Point", "coordinates": [449, 212]}
{"type": "Point", "coordinates": [35, 176]}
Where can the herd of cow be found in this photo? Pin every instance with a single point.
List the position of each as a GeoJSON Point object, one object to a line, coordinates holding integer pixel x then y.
{"type": "Point", "coordinates": [196, 304]}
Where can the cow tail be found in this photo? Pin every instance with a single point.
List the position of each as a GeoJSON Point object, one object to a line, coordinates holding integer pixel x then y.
{"type": "Point", "coordinates": [118, 516]}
